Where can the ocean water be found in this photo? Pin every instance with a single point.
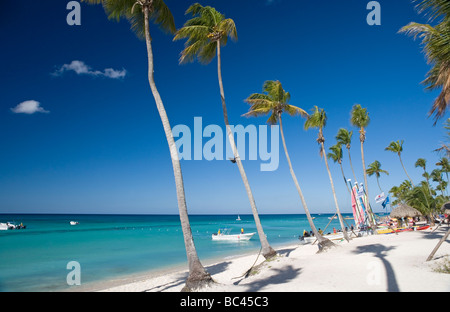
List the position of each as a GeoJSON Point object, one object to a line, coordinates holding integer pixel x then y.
{"type": "Point", "coordinates": [115, 246]}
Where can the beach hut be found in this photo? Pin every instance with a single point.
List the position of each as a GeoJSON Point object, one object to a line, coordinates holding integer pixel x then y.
{"type": "Point", "coordinates": [405, 211]}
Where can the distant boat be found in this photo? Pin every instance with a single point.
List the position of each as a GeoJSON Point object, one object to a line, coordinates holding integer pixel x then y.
{"type": "Point", "coordinates": [11, 226]}
{"type": "Point", "coordinates": [331, 218]}
{"type": "Point", "coordinates": [238, 218]}
{"type": "Point", "coordinates": [225, 236]}
{"type": "Point", "coordinates": [74, 222]}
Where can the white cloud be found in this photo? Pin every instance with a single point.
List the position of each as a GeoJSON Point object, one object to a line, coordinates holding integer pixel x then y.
{"type": "Point", "coordinates": [29, 107]}
{"type": "Point", "coordinates": [80, 68]}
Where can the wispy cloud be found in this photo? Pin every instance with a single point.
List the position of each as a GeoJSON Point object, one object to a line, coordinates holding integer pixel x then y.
{"type": "Point", "coordinates": [29, 107]}
{"type": "Point", "coordinates": [80, 68]}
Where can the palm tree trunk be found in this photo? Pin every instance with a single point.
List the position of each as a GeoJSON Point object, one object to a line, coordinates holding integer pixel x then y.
{"type": "Point", "coordinates": [443, 239]}
{"type": "Point", "coordinates": [198, 277]}
{"type": "Point", "coordinates": [368, 208]}
{"type": "Point", "coordinates": [378, 182]}
{"type": "Point", "coordinates": [324, 243]}
{"type": "Point", "coordinates": [267, 250]}
{"type": "Point", "coordinates": [351, 165]}
{"type": "Point", "coordinates": [405, 169]}
{"type": "Point", "coordinates": [343, 176]}
{"type": "Point", "coordinates": [341, 220]}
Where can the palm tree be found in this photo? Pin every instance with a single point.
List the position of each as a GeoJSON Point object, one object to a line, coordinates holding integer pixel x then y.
{"type": "Point", "coordinates": [360, 119]}
{"type": "Point", "coordinates": [138, 13]}
{"type": "Point", "coordinates": [274, 101]}
{"type": "Point", "coordinates": [375, 169]}
{"type": "Point", "coordinates": [344, 137]}
{"type": "Point", "coordinates": [422, 162]}
{"type": "Point", "coordinates": [206, 33]}
{"type": "Point", "coordinates": [436, 43]}
{"type": "Point", "coordinates": [318, 119]}
{"type": "Point", "coordinates": [336, 156]}
{"type": "Point", "coordinates": [397, 147]}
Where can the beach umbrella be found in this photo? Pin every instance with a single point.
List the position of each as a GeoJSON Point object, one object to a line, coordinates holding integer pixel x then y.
{"type": "Point", "coordinates": [404, 211]}
{"type": "Point", "coordinates": [446, 208]}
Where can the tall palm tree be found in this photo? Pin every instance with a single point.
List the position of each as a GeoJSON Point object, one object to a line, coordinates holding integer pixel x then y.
{"type": "Point", "coordinates": [274, 101]}
{"type": "Point", "coordinates": [336, 155]}
{"type": "Point", "coordinates": [206, 33]}
{"type": "Point", "coordinates": [359, 117]}
{"type": "Point", "coordinates": [344, 137]}
{"type": "Point", "coordinates": [397, 147]}
{"type": "Point", "coordinates": [138, 13]}
{"type": "Point", "coordinates": [318, 119]}
{"type": "Point", "coordinates": [375, 169]}
{"type": "Point", "coordinates": [422, 162]}
{"type": "Point", "coordinates": [436, 46]}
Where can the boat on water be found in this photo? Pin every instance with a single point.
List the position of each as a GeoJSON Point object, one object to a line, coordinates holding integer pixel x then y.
{"type": "Point", "coordinates": [224, 235]}
{"type": "Point", "coordinates": [11, 226]}
{"type": "Point", "coordinates": [74, 222]}
{"type": "Point", "coordinates": [238, 218]}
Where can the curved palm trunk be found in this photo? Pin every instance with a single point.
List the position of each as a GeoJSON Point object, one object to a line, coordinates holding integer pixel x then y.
{"type": "Point", "coordinates": [369, 209]}
{"type": "Point", "coordinates": [198, 277]}
{"type": "Point", "coordinates": [341, 220]}
{"type": "Point", "coordinates": [404, 169]}
{"type": "Point", "coordinates": [351, 165]}
{"type": "Point", "coordinates": [324, 243]}
{"type": "Point", "coordinates": [267, 250]}
{"type": "Point", "coordinates": [343, 176]}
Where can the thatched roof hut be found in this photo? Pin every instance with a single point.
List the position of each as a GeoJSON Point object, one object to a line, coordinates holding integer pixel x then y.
{"type": "Point", "coordinates": [446, 208]}
{"type": "Point", "coordinates": [404, 211]}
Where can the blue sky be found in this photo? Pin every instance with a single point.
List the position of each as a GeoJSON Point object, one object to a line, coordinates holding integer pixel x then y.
{"type": "Point", "coordinates": [97, 144]}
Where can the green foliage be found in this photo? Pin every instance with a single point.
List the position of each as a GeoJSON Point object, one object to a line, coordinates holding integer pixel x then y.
{"type": "Point", "coordinates": [436, 46]}
{"type": "Point", "coordinates": [359, 116]}
{"type": "Point", "coordinates": [131, 10]}
{"type": "Point", "coordinates": [273, 101]}
{"type": "Point", "coordinates": [426, 197]}
{"type": "Point", "coordinates": [206, 27]}
{"type": "Point", "coordinates": [395, 147]}
{"type": "Point", "coordinates": [375, 169]}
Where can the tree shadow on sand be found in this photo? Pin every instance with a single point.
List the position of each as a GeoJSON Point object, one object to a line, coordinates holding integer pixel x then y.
{"type": "Point", "coordinates": [380, 251]}
{"type": "Point", "coordinates": [281, 276]}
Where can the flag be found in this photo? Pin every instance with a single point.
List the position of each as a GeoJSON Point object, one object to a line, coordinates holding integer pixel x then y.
{"type": "Point", "coordinates": [380, 198]}
{"type": "Point", "coordinates": [385, 203]}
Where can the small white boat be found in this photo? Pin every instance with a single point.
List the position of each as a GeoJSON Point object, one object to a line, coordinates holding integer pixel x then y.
{"type": "Point", "coordinates": [74, 223]}
{"type": "Point", "coordinates": [3, 227]}
{"type": "Point", "coordinates": [238, 218]}
{"type": "Point", "coordinates": [225, 236]}
{"type": "Point", "coordinates": [312, 239]}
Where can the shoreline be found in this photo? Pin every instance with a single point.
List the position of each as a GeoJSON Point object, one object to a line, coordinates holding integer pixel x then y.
{"type": "Point", "coordinates": [377, 263]}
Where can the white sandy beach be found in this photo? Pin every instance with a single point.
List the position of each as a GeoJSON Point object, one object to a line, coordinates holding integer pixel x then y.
{"type": "Point", "coordinates": [377, 263]}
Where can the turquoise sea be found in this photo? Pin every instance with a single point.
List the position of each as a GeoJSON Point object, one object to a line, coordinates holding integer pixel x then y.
{"type": "Point", "coordinates": [115, 246]}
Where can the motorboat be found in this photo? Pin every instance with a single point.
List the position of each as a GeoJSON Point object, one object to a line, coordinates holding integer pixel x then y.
{"type": "Point", "coordinates": [74, 222]}
{"type": "Point", "coordinates": [11, 226]}
{"type": "Point", "coordinates": [226, 236]}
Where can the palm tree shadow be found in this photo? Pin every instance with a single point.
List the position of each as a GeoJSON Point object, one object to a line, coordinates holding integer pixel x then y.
{"type": "Point", "coordinates": [381, 251]}
{"type": "Point", "coordinates": [281, 276]}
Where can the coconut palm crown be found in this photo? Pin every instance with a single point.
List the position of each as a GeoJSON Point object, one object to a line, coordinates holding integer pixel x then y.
{"type": "Point", "coordinates": [203, 31]}
{"type": "Point", "coordinates": [436, 47]}
{"type": "Point", "coordinates": [273, 101]}
{"type": "Point", "coordinates": [375, 169]}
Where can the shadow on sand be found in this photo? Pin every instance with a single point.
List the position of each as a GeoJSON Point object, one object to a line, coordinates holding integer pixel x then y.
{"type": "Point", "coordinates": [380, 251]}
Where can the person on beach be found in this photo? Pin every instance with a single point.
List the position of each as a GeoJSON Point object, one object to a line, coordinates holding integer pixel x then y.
{"type": "Point", "coordinates": [242, 230]}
